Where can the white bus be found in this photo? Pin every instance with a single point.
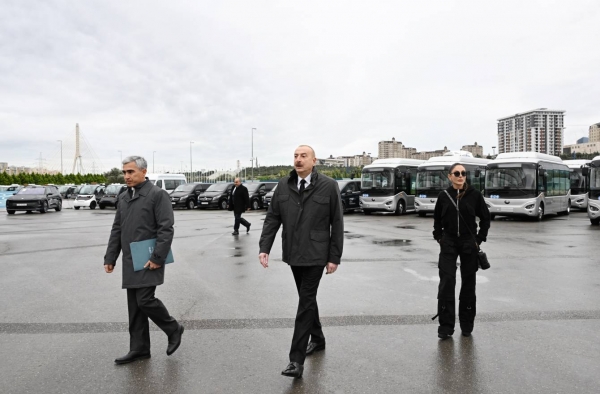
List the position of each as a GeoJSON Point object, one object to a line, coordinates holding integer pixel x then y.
{"type": "Point", "coordinates": [594, 194]}
{"type": "Point", "coordinates": [527, 184]}
{"type": "Point", "coordinates": [388, 185]}
{"type": "Point", "coordinates": [580, 182]}
{"type": "Point", "coordinates": [432, 177]}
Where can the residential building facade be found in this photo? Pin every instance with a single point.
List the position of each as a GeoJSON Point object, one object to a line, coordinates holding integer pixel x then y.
{"type": "Point", "coordinates": [595, 132]}
{"type": "Point", "coordinates": [476, 150]}
{"type": "Point", "coordinates": [540, 130]}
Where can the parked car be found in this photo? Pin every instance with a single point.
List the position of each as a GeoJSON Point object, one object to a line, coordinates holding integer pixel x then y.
{"type": "Point", "coordinates": [88, 196]}
{"type": "Point", "coordinates": [7, 191]}
{"type": "Point", "coordinates": [68, 191]}
{"type": "Point", "coordinates": [168, 182]}
{"type": "Point", "coordinates": [34, 198]}
{"type": "Point", "coordinates": [257, 190]}
{"type": "Point", "coordinates": [187, 195]}
{"type": "Point", "coordinates": [350, 192]}
{"type": "Point", "coordinates": [215, 196]}
{"type": "Point", "coordinates": [111, 195]}
{"type": "Point", "coordinates": [267, 197]}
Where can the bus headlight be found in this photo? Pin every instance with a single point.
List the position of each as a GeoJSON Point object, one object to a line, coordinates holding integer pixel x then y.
{"type": "Point", "coordinates": [530, 206]}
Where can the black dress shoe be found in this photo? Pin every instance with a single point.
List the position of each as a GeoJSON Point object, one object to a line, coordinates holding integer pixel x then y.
{"type": "Point", "coordinates": [235, 233]}
{"type": "Point", "coordinates": [293, 370]}
{"type": "Point", "coordinates": [131, 357]}
{"type": "Point", "coordinates": [248, 228]}
{"type": "Point", "coordinates": [175, 340]}
{"type": "Point", "coordinates": [466, 334]}
{"type": "Point", "coordinates": [315, 347]}
{"type": "Point", "coordinates": [443, 335]}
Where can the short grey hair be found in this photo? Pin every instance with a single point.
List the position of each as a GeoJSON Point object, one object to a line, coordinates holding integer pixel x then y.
{"type": "Point", "coordinates": [140, 162]}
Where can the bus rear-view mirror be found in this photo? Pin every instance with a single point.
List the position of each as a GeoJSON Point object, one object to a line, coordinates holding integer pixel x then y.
{"type": "Point", "coordinates": [585, 171]}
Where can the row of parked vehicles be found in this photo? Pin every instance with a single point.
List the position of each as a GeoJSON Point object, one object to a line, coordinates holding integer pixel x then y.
{"type": "Point", "coordinates": [526, 184]}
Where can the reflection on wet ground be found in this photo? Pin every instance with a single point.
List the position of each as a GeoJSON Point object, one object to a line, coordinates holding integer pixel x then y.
{"type": "Point", "coordinates": [392, 242]}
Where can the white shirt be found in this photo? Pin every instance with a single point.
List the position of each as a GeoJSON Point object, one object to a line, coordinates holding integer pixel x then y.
{"type": "Point", "coordinates": [307, 179]}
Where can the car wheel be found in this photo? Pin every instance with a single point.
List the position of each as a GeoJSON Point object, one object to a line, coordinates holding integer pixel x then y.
{"type": "Point", "coordinates": [58, 206]}
{"type": "Point", "coordinates": [93, 205]}
{"type": "Point", "coordinates": [255, 205]}
{"type": "Point", "coordinates": [10, 211]}
{"type": "Point", "coordinates": [190, 204]}
{"type": "Point", "coordinates": [223, 204]}
{"type": "Point", "coordinates": [422, 214]}
{"type": "Point", "coordinates": [101, 206]}
{"type": "Point", "coordinates": [400, 208]}
{"type": "Point", "coordinates": [44, 207]}
{"type": "Point", "coordinates": [76, 208]}
{"type": "Point", "coordinates": [540, 214]}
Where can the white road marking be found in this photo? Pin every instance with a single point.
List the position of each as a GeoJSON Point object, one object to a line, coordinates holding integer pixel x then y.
{"type": "Point", "coordinates": [478, 278]}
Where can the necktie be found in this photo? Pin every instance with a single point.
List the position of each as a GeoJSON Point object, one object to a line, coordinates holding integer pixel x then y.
{"type": "Point", "coordinates": [302, 186]}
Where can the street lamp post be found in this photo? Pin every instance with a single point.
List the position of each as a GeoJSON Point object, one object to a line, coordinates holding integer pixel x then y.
{"type": "Point", "coordinates": [252, 151]}
{"type": "Point", "coordinates": [191, 168]}
{"type": "Point", "coordinates": [61, 157]}
{"type": "Point", "coordinates": [153, 152]}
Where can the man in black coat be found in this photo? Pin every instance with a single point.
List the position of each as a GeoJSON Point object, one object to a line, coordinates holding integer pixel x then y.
{"type": "Point", "coordinates": [309, 207]}
{"type": "Point", "coordinates": [239, 202]}
{"type": "Point", "coordinates": [144, 212]}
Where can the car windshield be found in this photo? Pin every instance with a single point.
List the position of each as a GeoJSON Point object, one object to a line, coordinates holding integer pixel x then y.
{"type": "Point", "coordinates": [63, 189]}
{"type": "Point", "coordinates": [88, 189]}
{"type": "Point", "coordinates": [31, 190]}
{"type": "Point", "coordinates": [341, 185]}
{"type": "Point", "coordinates": [113, 189]}
{"type": "Point", "coordinates": [252, 186]}
{"type": "Point", "coordinates": [217, 187]}
{"type": "Point", "coordinates": [185, 188]}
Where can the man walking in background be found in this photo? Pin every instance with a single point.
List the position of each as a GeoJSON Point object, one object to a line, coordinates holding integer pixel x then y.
{"type": "Point", "coordinates": [144, 212]}
{"type": "Point", "coordinates": [308, 205]}
{"type": "Point", "coordinates": [239, 202]}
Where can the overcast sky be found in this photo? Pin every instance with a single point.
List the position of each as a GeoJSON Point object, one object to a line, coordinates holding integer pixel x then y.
{"type": "Point", "coordinates": [144, 76]}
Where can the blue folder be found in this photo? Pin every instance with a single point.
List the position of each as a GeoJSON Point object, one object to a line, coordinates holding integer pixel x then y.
{"type": "Point", "coordinates": [141, 252]}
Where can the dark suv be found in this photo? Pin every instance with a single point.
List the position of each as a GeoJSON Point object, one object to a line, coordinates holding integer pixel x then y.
{"type": "Point", "coordinates": [111, 195]}
{"type": "Point", "coordinates": [350, 191]}
{"type": "Point", "coordinates": [187, 195]}
{"type": "Point", "coordinates": [215, 196]}
{"type": "Point", "coordinates": [257, 190]}
{"type": "Point", "coordinates": [34, 198]}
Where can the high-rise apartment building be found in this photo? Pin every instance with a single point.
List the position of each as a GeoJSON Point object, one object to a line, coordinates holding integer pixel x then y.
{"type": "Point", "coordinates": [476, 150]}
{"type": "Point", "coordinates": [595, 132]}
{"type": "Point", "coordinates": [394, 149]}
{"type": "Point", "coordinates": [540, 130]}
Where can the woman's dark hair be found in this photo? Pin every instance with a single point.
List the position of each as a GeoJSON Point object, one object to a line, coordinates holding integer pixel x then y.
{"type": "Point", "coordinates": [465, 185]}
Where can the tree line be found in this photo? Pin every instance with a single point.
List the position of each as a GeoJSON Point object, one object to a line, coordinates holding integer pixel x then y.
{"type": "Point", "coordinates": [45, 179]}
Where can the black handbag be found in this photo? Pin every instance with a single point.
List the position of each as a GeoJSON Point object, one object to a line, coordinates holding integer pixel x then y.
{"type": "Point", "coordinates": [482, 259]}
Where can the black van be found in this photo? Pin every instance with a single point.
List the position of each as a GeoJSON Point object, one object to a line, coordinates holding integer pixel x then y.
{"type": "Point", "coordinates": [215, 196]}
{"type": "Point", "coordinates": [257, 190]}
{"type": "Point", "coordinates": [350, 191]}
{"type": "Point", "coordinates": [186, 195]}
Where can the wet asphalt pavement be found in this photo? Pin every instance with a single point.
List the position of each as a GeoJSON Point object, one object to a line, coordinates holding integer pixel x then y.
{"type": "Point", "coordinates": [63, 320]}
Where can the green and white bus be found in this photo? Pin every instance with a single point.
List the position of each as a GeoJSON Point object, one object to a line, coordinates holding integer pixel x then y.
{"type": "Point", "coordinates": [388, 185]}
{"type": "Point", "coordinates": [580, 182]}
{"type": "Point", "coordinates": [527, 184]}
{"type": "Point", "coordinates": [432, 177]}
{"type": "Point", "coordinates": [594, 193]}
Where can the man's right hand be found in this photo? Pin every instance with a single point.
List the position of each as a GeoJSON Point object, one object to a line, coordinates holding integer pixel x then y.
{"type": "Point", "coordinates": [264, 259]}
{"type": "Point", "coordinates": [109, 268]}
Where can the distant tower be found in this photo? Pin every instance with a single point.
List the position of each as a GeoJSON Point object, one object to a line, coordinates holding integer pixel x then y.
{"type": "Point", "coordinates": [77, 153]}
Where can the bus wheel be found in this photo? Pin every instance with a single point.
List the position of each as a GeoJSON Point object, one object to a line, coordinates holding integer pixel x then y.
{"type": "Point", "coordinates": [595, 222]}
{"type": "Point", "coordinates": [400, 209]}
{"type": "Point", "coordinates": [540, 214]}
{"type": "Point", "coordinates": [422, 214]}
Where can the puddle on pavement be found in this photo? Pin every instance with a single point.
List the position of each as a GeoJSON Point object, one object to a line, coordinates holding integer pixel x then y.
{"type": "Point", "coordinates": [392, 242]}
{"type": "Point", "coordinates": [353, 236]}
{"type": "Point", "coordinates": [406, 227]}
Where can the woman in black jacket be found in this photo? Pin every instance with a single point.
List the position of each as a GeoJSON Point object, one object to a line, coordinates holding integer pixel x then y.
{"type": "Point", "coordinates": [455, 229]}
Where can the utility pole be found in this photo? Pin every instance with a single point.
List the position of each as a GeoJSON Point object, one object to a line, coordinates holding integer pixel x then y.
{"type": "Point", "coordinates": [191, 173]}
{"type": "Point", "coordinates": [61, 157]}
{"type": "Point", "coordinates": [254, 128]}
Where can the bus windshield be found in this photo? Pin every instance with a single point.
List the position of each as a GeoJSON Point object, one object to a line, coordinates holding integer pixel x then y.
{"type": "Point", "coordinates": [578, 181]}
{"type": "Point", "coordinates": [378, 181]}
{"type": "Point", "coordinates": [511, 180]}
{"type": "Point", "coordinates": [432, 179]}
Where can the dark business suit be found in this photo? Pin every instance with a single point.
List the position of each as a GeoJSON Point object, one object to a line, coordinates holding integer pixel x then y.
{"type": "Point", "coordinates": [313, 235]}
{"type": "Point", "coordinates": [239, 201]}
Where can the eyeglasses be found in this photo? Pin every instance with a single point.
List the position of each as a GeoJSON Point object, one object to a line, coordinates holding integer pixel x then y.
{"type": "Point", "coordinates": [459, 173]}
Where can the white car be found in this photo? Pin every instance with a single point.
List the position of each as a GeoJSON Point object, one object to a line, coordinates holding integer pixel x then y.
{"type": "Point", "coordinates": [88, 196]}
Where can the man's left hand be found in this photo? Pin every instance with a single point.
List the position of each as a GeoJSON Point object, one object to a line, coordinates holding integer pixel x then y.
{"type": "Point", "coordinates": [331, 267]}
{"type": "Point", "coordinates": [151, 266]}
